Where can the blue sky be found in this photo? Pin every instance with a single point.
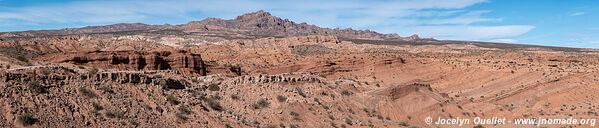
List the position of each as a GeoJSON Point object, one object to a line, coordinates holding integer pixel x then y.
{"type": "Point", "coordinates": [570, 23]}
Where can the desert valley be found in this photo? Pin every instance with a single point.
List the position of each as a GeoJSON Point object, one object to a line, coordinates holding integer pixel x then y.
{"type": "Point", "coordinates": [258, 70]}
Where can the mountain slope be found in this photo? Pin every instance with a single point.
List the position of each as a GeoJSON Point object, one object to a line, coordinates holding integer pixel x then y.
{"type": "Point", "coordinates": [258, 23]}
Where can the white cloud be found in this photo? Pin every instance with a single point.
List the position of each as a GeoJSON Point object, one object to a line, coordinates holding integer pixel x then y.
{"type": "Point", "coordinates": [467, 18]}
{"type": "Point", "coordinates": [503, 40]}
{"type": "Point", "coordinates": [471, 32]}
{"type": "Point", "coordinates": [577, 13]}
{"type": "Point", "coordinates": [444, 19]}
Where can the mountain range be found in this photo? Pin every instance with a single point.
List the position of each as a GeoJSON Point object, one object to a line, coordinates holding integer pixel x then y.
{"type": "Point", "coordinates": [259, 23]}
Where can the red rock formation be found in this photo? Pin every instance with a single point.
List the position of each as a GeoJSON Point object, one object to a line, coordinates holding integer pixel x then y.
{"type": "Point", "coordinates": [182, 61]}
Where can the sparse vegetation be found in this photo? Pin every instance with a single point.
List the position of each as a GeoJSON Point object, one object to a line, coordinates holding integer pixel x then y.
{"type": "Point", "coordinates": [262, 103]}
{"type": "Point", "coordinates": [234, 97]}
{"type": "Point", "coordinates": [97, 106]}
{"type": "Point", "coordinates": [213, 87]}
{"type": "Point", "coordinates": [35, 87]}
{"type": "Point", "coordinates": [281, 98]}
{"type": "Point", "coordinates": [27, 119]}
{"type": "Point", "coordinates": [214, 104]}
{"type": "Point", "coordinates": [172, 100]}
{"type": "Point", "coordinates": [346, 92]}
{"type": "Point", "coordinates": [45, 71]}
{"type": "Point", "coordinates": [295, 115]}
{"type": "Point", "coordinates": [87, 93]}
{"type": "Point", "coordinates": [348, 121]}
{"type": "Point", "coordinates": [22, 58]}
{"type": "Point", "coordinates": [195, 80]}
{"type": "Point", "coordinates": [115, 114]}
{"type": "Point", "coordinates": [301, 92]}
{"type": "Point", "coordinates": [93, 71]}
{"type": "Point", "coordinates": [403, 123]}
{"type": "Point", "coordinates": [106, 89]}
{"type": "Point", "coordinates": [183, 112]}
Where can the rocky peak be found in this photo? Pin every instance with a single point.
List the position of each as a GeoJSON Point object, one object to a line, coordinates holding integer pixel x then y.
{"type": "Point", "coordinates": [263, 20]}
{"type": "Point", "coordinates": [412, 37]}
{"type": "Point", "coordinates": [255, 15]}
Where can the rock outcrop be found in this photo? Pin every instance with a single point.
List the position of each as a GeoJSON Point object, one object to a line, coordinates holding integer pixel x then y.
{"type": "Point", "coordinates": [289, 78]}
{"type": "Point", "coordinates": [186, 63]}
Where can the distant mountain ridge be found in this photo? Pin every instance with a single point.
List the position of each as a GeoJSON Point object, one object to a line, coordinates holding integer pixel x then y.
{"type": "Point", "coordinates": [260, 23]}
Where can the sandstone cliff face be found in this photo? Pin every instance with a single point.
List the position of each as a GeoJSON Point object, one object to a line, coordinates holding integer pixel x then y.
{"type": "Point", "coordinates": [187, 64]}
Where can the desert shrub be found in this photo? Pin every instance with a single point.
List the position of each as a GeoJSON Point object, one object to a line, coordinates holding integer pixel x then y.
{"type": "Point", "coordinates": [331, 117]}
{"type": "Point", "coordinates": [106, 89]}
{"type": "Point", "coordinates": [348, 121]}
{"type": "Point", "coordinates": [213, 87]}
{"type": "Point", "coordinates": [97, 106]}
{"type": "Point", "coordinates": [334, 125]}
{"type": "Point", "coordinates": [346, 92]}
{"type": "Point", "coordinates": [27, 119]}
{"type": "Point", "coordinates": [235, 69]}
{"type": "Point", "coordinates": [45, 71]}
{"type": "Point", "coordinates": [272, 126]}
{"type": "Point", "coordinates": [234, 97]}
{"type": "Point", "coordinates": [86, 92]}
{"type": "Point", "coordinates": [162, 82]}
{"type": "Point", "coordinates": [184, 110]}
{"type": "Point", "coordinates": [262, 103]}
{"type": "Point", "coordinates": [294, 126]}
{"type": "Point", "coordinates": [181, 116]}
{"type": "Point", "coordinates": [214, 104]}
{"type": "Point", "coordinates": [281, 98]}
{"type": "Point", "coordinates": [296, 116]}
{"type": "Point", "coordinates": [172, 99]}
{"type": "Point", "coordinates": [195, 80]}
{"type": "Point", "coordinates": [294, 113]}
{"type": "Point", "coordinates": [22, 58]}
{"type": "Point", "coordinates": [380, 117]}
{"type": "Point", "coordinates": [403, 123]}
{"type": "Point", "coordinates": [93, 71]}
{"type": "Point", "coordinates": [301, 92]}
{"type": "Point", "coordinates": [115, 114]}
{"type": "Point", "coordinates": [35, 87]}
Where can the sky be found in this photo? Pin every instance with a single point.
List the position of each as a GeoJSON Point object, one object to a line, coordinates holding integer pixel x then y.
{"type": "Point", "coordinates": [567, 23]}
